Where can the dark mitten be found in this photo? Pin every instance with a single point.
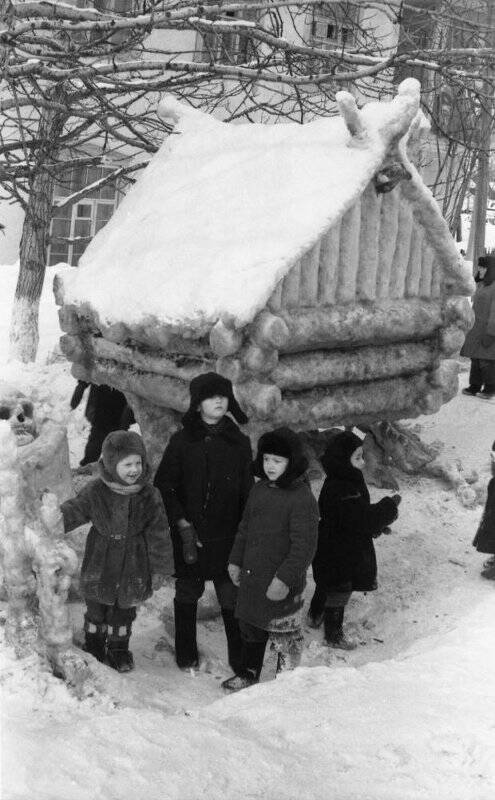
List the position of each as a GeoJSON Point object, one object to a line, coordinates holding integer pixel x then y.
{"type": "Point", "coordinates": [388, 508]}
{"type": "Point", "coordinates": [189, 544]}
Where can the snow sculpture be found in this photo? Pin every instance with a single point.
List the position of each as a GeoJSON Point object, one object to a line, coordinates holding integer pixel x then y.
{"type": "Point", "coordinates": [307, 263]}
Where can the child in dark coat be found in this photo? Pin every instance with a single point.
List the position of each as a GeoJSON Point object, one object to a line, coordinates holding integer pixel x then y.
{"type": "Point", "coordinates": [484, 541]}
{"type": "Point", "coordinates": [205, 477]}
{"type": "Point", "coordinates": [345, 560]}
{"type": "Point", "coordinates": [272, 551]}
{"type": "Point", "coordinates": [128, 550]}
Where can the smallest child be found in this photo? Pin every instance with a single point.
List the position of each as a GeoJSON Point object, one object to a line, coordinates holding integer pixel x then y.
{"type": "Point", "coordinates": [128, 551]}
{"type": "Point", "coordinates": [484, 541]}
{"type": "Point", "coordinates": [272, 551]}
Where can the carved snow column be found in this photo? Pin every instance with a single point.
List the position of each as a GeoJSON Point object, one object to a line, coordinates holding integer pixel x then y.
{"type": "Point", "coordinates": [35, 563]}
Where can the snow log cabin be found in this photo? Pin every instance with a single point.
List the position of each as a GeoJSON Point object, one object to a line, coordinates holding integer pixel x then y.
{"type": "Point", "coordinates": [309, 264]}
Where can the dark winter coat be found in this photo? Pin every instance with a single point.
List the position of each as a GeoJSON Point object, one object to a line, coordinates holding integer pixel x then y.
{"type": "Point", "coordinates": [106, 408]}
{"type": "Point", "coordinates": [484, 541]}
{"type": "Point", "coordinates": [484, 325]}
{"type": "Point", "coordinates": [345, 558]}
{"type": "Point", "coordinates": [205, 477]}
{"type": "Point", "coordinates": [277, 537]}
{"type": "Point", "coordinates": [127, 544]}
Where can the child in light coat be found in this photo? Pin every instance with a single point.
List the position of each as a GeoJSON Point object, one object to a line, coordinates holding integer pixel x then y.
{"type": "Point", "coordinates": [272, 551]}
{"type": "Point", "coordinates": [128, 551]}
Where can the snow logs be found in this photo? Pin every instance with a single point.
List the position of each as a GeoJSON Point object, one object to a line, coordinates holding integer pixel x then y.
{"type": "Point", "coordinates": [307, 367]}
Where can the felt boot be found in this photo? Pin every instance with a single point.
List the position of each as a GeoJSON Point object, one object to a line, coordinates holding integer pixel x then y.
{"type": "Point", "coordinates": [252, 663]}
{"type": "Point", "coordinates": [234, 640]}
{"type": "Point", "coordinates": [334, 634]}
{"type": "Point", "coordinates": [316, 610]}
{"type": "Point", "coordinates": [186, 649]}
{"type": "Point", "coordinates": [95, 640]}
{"type": "Point", "coordinates": [119, 657]}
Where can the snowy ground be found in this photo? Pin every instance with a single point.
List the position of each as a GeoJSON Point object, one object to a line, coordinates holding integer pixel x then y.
{"type": "Point", "coordinates": [409, 714]}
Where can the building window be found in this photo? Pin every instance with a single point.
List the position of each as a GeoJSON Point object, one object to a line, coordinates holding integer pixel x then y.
{"type": "Point", "coordinates": [226, 48]}
{"type": "Point", "coordinates": [333, 25]}
{"type": "Point", "coordinates": [73, 226]}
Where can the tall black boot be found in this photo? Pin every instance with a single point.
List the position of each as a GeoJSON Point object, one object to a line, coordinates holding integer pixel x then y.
{"type": "Point", "coordinates": [334, 633]}
{"type": "Point", "coordinates": [234, 640]}
{"type": "Point", "coordinates": [253, 654]}
{"type": "Point", "coordinates": [119, 657]}
{"type": "Point", "coordinates": [95, 639]}
{"type": "Point", "coordinates": [186, 649]}
{"type": "Point", "coordinates": [317, 607]}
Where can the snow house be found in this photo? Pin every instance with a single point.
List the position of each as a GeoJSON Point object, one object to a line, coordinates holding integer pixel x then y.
{"type": "Point", "coordinates": [310, 264]}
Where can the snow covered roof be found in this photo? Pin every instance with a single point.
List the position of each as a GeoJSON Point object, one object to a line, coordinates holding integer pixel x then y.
{"type": "Point", "coordinates": [223, 211]}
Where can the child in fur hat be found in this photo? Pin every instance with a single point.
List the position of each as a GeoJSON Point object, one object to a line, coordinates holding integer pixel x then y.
{"type": "Point", "coordinates": [484, 541]}
{"type": "Point", "coordinates": [345, 560]}
{"type": "Point", "coordinates": [128, 551]}
{"type": "Point", "coordinates": [272, 551]}
{"type": "Point", "coordinates": [205, 477]}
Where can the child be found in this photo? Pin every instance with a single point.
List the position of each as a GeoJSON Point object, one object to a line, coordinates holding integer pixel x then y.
{"type": "Point", "coordinates": [272, 551]}
{"type": "Point", "coordinates": [345, 560]}
{"type": "Point", "coordinates": [484, 541]}
{"type": "Point", "coordinates": [128, 550]}
{"type": "Point", "coordinates": [205, 477]}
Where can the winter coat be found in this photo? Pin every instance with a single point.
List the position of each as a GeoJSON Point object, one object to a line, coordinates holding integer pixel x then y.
{"type": "Point", "coordinates": [205, 477]}
{"type": "Point", "coordinates": [345, 558]}
{"type": "Point", "coordinates": [484, 324]}
{"type": "Point", "coordinates": [277, 537]}
{"type": "Point", "coordinates": [484, 541]}
{"type": "Point", "coordinates": [127, 544]}
{"type": "Point", "coordinates": [106, 408]}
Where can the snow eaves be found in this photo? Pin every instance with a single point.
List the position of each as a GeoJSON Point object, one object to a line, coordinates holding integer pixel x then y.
{"type": "Point", "coordinates": [223, 211]}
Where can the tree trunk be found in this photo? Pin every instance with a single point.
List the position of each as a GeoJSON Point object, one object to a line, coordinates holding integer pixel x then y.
{"type": "Point", "coordinates": [24, 334]}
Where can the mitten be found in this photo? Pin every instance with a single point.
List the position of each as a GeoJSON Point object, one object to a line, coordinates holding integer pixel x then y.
{"type": "Point", "coordinates": [235, 574]}
{"type": "Point", "coordinates": [277, 590]}
{"type": "Point", "coordinates": [189, 544]}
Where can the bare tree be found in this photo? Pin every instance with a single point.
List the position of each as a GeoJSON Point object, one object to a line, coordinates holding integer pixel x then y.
{"type": "Point", "coordinates": [80, 85]}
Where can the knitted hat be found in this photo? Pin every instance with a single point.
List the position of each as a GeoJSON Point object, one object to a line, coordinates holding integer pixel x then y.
{"type": "Point", "coordinates": [286, 443]}
{"type": "Point", "coordinates": [336, 460]}
{"type": "Point", "coordinates": [117, 446]}
{"type": "Point", "coordinates": [202, 387]}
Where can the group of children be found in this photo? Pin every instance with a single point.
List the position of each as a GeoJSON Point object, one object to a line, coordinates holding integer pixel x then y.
{"type": "Point", "coordinates": [254, 541]}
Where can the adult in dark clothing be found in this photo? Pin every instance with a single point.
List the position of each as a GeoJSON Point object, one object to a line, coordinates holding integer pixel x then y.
{"type": "Point", "coordinates": [484, 541]}
{"type": "Point", "coordinates": [106, 410]}
{"type": "Point", "coordinates": [479, 344]}
{"type": "Point", "coordinates": [205, 477]}
{"type": "Point", "coordinates": [345, 559]}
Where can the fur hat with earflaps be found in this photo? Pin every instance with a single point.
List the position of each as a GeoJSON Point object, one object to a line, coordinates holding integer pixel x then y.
{"type": "Point", "coordinates": [117, 446]}
{"type": "Point", "coordinates": [209, 385]}
{"type": "Point", "coordinates": [286, 443]}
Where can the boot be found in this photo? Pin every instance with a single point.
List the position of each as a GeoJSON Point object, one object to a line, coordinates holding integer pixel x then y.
{"type": "Point", "coordinates": [119, 657]}
{"type": "Point", "coordinates": [95, 640]}
{"type": "Point", "coordinates": [317, 608]}
{"type": "Point", "coordinates": [253, 654]}
{"type": "Point", "coordinates": [334, 634]}
{"type": "Point", "coordinates": [186, 649]}
{"type": "Point", "coordinates": [234, 640]}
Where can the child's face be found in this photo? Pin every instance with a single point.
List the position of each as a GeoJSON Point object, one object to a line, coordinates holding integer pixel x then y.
{"type": "Point", "coordinates": [357, 458]}
{"type": "Point", "coordinates": [274, 466]}
{"type": "Point", "coordinates": [213, 408]}
{"type": "Point", "coordinates": [129, 469]}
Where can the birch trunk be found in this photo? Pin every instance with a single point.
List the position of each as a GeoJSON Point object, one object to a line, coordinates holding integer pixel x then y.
{"type": "Point", "coordinates": [24, 334]}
